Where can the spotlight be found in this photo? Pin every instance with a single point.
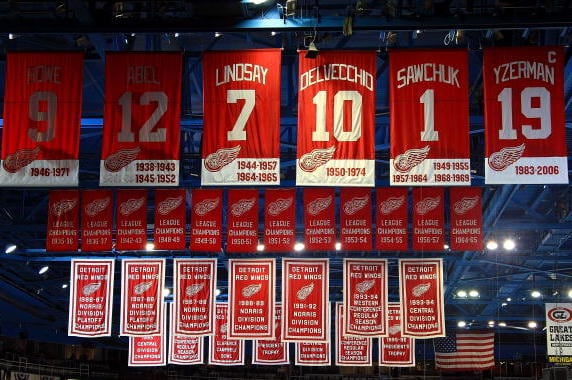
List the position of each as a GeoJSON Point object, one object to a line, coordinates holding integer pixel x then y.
{"type": "Point", "coordinates": [312, 51]}
{"type": "Point", "coordinates": [502, 324]}
{"type": "Point", "coordinates": [532, 325]}
{"type": "Point", "coordinates": [217, 292]}
{"type": "Point", "coordinates": [509, 244]}
{"type": "Point", "coordinates": [446, 246]}
{"type": "Point", "coordinates": [461, 324]}
{"type": "Point", "coordinates": [338, 246]}
{"type": "Point", "coordinates": [508, 299]}
{"type": "Point", "coordinates": [570, 293]}
{"type": "Point", "coordinates": [166, 292]}
{"type": "Point", "coordinates": [149, 246]}
{"type": "Point", "coordinates": [462, 294]}
{"type": "Point", "coordinates": [64, 286]}
{"type": "Point", "coordinates": [260, 247]}
{"type": "Point", "coordinates": [473, 293]}
{"type": "Point", "coordinates": [11, 36]}
{"type": "Point", "coordinates": [491, 323]}
{"type": "Point", "coordinates": [217, 34]}
{"type": "Point", "coordinates": [44, 269]}
{"type": "Point", "coordinates": [492, 245]}
{"type": "Point", "coordinates": [503, 304]}
{"type": "Point", "coordinates": [299, 247]}
{"type": "Point", "coordinates": [535, 294]}
{"type": "Point", "coordinates": [10, 248]}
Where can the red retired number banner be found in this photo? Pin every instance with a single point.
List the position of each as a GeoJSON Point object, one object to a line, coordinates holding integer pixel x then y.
{"type": "Point", "coordinates": [391, 219]}
{"type": "Point", "coordinates": [206, 221]}
{"type": "Point", "coordinates": [63, 221]}
{"type": "Point", "coordinates": [429, 117]}
{"type": "Point", "coordinates": [273, 351]}
{"type": "Point", "coordinates": [524, 115]}
{"type": "Point", "coordinates": [42, 117]}
{"type": "Point", "coordinates": [241, 117]}
{"type": "Point", "coordinates": [194, 282]}
{"type": "Point", "coordinates": [170, 221]}
{"type": "Point", "coordinates": [356, 219]}
{"type": "Point", "coordinates": [279, 220]}
{"type": "Point", "coordinates": [91, 297]}
{"type": "Point", "coordinates": [242, 223]}
{"type": "Point", "coordinates": [319, 219]}
{"type": "Point", "coordinates": [131, 220]}
{"type": "Point", "coordinates": [396, 350]}
{"type": "Point", "coordinates": [466, 219]}
{"type": "Point", "coordinates": [336, 119]}
{"type": "Point", "coordinates": [223, 351]}
{"type": "Point", "coordinates": [183, 349]}
{"type": "Point", "coordinates": [421, 295]}
{"type": "Point", "coordinates": [96, 220]}
{"type": "Point", "coordinates": [142, 284]}
{"type": "Point", "coordinates": [148, 351]}
{"type": "Point", "coordinates": [141, 121]}
{"type": "Point", "coordinates": [365, 295]}
{"type": "Point", "coordinates": [305, 295]}
{"type": "Point", "coordinates": [428, 219]}
{"type": "Point", "coordinates": [350, 350]}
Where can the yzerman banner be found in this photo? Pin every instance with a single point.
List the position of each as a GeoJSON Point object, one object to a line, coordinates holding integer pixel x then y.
{"type": "Point", "coordinates": [279, 220]}
{"type": "Point", "coordinates": [421, 295]}
{"type": "Point", "coordinates": [241, 117]}
{"type": "Point", "coordinates": [350, 350]}
{"type": "Point", "coordinates": [391, 219]}
{"type": "Point", "coordinates": [131, 220]}
{"type": "Point", "coordinates": [313, 354]}
{"type": "Point", "coordinates": [242, 222]}
{"type": "Point", "coordinates": [365, 297]}
{"type": "Point", "coordinates": [355, 219]}
{"type": "Point", "coordinates": [142, 307]}
{"type": "Point", "coordinates": [170, 220]}
{"type": "Point", "coordinates": [272, 351]}
{"type": "Point", "coordinates": [206, 220]}
{"type": "Point", "coordinates": [91, 297]}
{"type": "Point", "coordinates": [63, 221]}
{"type": "Point", "coordinates": [148, 350]}
{"type": "Point", "coordinates": [42, 117]}
{"type": "Point", "coordinates": [305, 295]}
{"type": "Point", "coordinates": [224, 351]}
{"type": "Point", "coordinates": [194, 284]}
{"type": "Point", "coordinates": [336, 119]}
{"type": "Point", "coordinates": [141, 121]}
{"type": "Point", "coordinates": [96, 220]}
{"type": "Point", "coordinates": [466, 218]}
{"type": "Point", "coordinates": [396, 350]}
{"type": "Point", "coordinates": [183, 349]}
{"type": "Point", "coordinates": [524, 115]}
{"type": "Point", "coordinates": [429, 118]}
{"type": "Point", "coordinates": [428, 219]}
{"type": "Point", "coordinates": [319, 219]}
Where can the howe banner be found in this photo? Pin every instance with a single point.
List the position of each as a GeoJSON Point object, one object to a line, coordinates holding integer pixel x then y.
{"type": "Point", "coordinates": [96, 220]}
{"type": "Point", "coordinates": [206, 220]}
{"type": "Point", "coordinates": [396, 350]}
{"type": "Point", "coordinates": [63, 221]}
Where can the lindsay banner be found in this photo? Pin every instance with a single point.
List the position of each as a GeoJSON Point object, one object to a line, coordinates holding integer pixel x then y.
{"type": "Point", "coordinates": [251, 293]}
{"type": "Point", "coordinates": [428, 219]}
{"type": "Point", "coordinates": [206, 220]}
{"type": "Point", "coordinates": [396, 350]}
{"type": "Point", "coordinates": [313, 354]}
{"type": "Point", "coordinates": [272, 351]}
{"type": "Point", "coordinates": [336, 119]}
{"type": "Point", "coordinates": [350, 350]}
{"type": "Point", "coordinates": [279, 220]}
{"type": "Point", "coordinates": [148, 351]}
{"type": "Point", "coordinates": [365, 297]}
{"type": "Point", "coordinates": [96, 220]}
{"type": "Point", "coordinates": [421, 295]}
{"type": "Point", "coordinates": [170, 222]}
{"type": "Point", "coordinates": [466, 219]}
{"type": "Point", "coordinates": [391, 219]}
{"type": "Point", "coordinates": [141, 120]}
{"type": "Point", "coordinates": [524, 115]}
{"type": "Point", "coordinates": [42, 117]}
{"type": "Point", "coordinates": [223, 351]}
{"type": "Point", "coordinates": [305, 295]}
{"type": "Point", "coordinates": [319, 219]}
{"type": "Point", "coordinates": [131, 217]}
{"type": "Point", "coordinates": [142, 283]}
{"type": "Point", "coordinates": [241, 93]}
{"type": "Point", "coordinates": [559, 332]}
{"type": "Point", "coordinates": [183, 349]}
{"type": "Point", "coordinates": [91, 297]}
{"type": "Point", "coordinates": [429, 117]}
{"type": "Point", "coordinates": [194, 282]}
{"type": "Point", "coordinates": [355, 219]}
{"type": "Point", "coordinates": [63, 221]}
{"type": "Point", "coordinates": [242, 222]}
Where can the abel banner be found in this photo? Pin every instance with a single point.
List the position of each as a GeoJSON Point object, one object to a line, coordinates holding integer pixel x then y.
{"type": "Point", "coordinates": [428, 218]}
{"type": "Point", "coordinates": [305, 295]}
{"type": "Point", "coordinates": [131, 217]}
{"type": "Point", "coordinates": [223, 351]}
{"type": "Point", "coordinates": [183, 349]}
{"type": "Point", "coordinates": [421, 295]}
{"type": "Point", "coordinates": [524, 115]}
{"type": "Point", "coordinates": [319, 219]}
{"type": "Point", "coordinates": [466, 219]}
{"type": "Point", "coordinates": [170, 221]}
{"type": "Point", "coordinates": [251, 297]}
{"type": "Point", "coordinates": [313, 354]}
{"type": "Point", "coordinates": [96, 220]}
{"type": "Point", "coordinates": [148, 351]}
{"type": "Point", "coordinates": [279, 220]}
{"type": "Point", "coordinates": [272, 351]}
{"type": "Point", "coordinates": [365, 297]}
{"type": "Point", "coordinates": [336, 119]}
{"type": "Point", "coordinates": [350, 350]}
{"type": "Point", "coordinates": [391, 219]}
{"type": "Point", "coordinates": [355, 219]}
{"type": "Point", "coordinates": [241, 97]}
{"type": "Point", "coordinates": [141, 120]}
{"type": "Point", "coordinates": [194, 283]}
{"type": "Point", "coordinates": [206, 220]}
{"type": "Point", "coordinates": [42, 117]}
{"type": "Point", "coordinates": [63, 221]}
{"type": "Point", "coordinates": [142, 284]}
{"type": "Point", "coordinates": [91, 297]}
{"type": "Point", "coordinates": [242, 222]}
{"type": "Point", "coordinates": [396, 350]}
{"type": "Point", "coordinates": [559, 332]}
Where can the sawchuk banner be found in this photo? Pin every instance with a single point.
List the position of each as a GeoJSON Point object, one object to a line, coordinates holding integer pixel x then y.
{"type": "Point", "coordinates": [394, 349]}
{"type": "Point", "coordinates": [466, 219]}
{"type": "Point", "coordinates": [131, 220]}
{"type": "Point", "coordinates": [183, 349]}
{"type": "Point", "coordinates": [241, 99]}
{"type": "Point", "coordinates": [242, 221]}
{"type": "Point", "coordinates": [148, 350]}
{"type": "Point", "coordinates": [428, 218]}
{"type": "Point", "coordinates": [96, 220]}
{"type": "Point", "coordinates": [355, 219]}
{"type": "Point", "coordinates": [170, 219]}
{"type": "Point", "coordinates": [391, 219]}
{"type": "Point", "coordinates": [206, 220]}
{"type": "Point", "coordinates": [319, 219]}
{"type": "Point", "coordinates": [272, 351]}
{"type": "Point", "coordinates": [42, 117]}
{"type": "Point", "coordinates": [224, 351]}
{"type": "Point", "coordinates": [63, 221]}
{"type": "Point", "coordinates": [279, 220]}
{"type": "Point", "coordinates": [350, 350]}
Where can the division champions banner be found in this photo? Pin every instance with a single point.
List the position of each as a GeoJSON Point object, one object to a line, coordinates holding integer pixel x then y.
{"type": "Point", "coordinates": [350, 350]}
{"type": "Point", "coordinates": [148, 350]}
{"type": "Point", "coordinates": [559, 332]}
{"type": "Point", "coordinates": [394, 349]}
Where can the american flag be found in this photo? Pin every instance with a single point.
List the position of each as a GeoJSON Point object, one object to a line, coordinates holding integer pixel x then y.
{"type": "Point", "coordinates": [465, 351]}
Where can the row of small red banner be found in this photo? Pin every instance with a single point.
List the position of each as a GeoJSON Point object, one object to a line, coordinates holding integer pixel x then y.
{"type": "Point", "coordinates": [279, 235]}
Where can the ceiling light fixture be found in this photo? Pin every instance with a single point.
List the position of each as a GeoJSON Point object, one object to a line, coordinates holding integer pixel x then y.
{"type": "Point", "coordinates": [473, 293]}
{"type": "Point", "coordinates": [461, 324]}
{"type": "Point", "coordinates": [509, 244]}
{"type": "Point", "coordinates": [260, 247]}
{"type": "Point", "coordinates": [338, 246]}
{"type": "Point", "coordinates": [149, 246]}
{"type": "Point", "coordinates": [535, 294]}
{"type": "Point", "coordinates": [492, 245]}
{"type": "Point", "coordinates": [462, 294]}
{"type": "Point", "coordinates": [299, 247]}
{"type": "Point", "coordinates": [166, 292]}
{"type": "Point", "coordinates": [65, 286]}
{"type": "Point", "coordinates": [217, 34]}
{"type": "Point", "coordinates": [502, 324]}
{"type": "Point", "coordinates": [312, 51]}
{"type": "Point", "coordinates": [569, 293]}
{"type": "Point", "coordinates": [44, 269]}
{"type": "Point", "coordinates": [217, 292]}
{"type": "Point", "coordinates": [532, 325]}
{"type": "Point", "coordinates": [10, 248]}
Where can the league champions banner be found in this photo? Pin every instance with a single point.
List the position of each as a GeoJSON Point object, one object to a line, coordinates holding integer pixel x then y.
{"type": "Point", "coordinates": [391, 219]}
{"type": "Point", "coordinates": [559, 332]}
{"type": "Point", "coordinates": [241, 93]}
{"type": "Point", "coordinates": [429, 118]}
{"type": "Point", "coordinates": [242, 223]}
{"type": "Point", "coordinates": [336, 119]}
{"type": "Point", "coordinates": [224, 351]}
{"type": "Point", "coordinates": [141, 119]}
{"type": "Point", "coordinates": [525, 137]}
{"type": "Point", "coordinates": [42, 117]}
{"type": "Point", "coordinates": [96, 220]}
{"type": "Point", "coordinates": [251, 288]}
{"type": "Point", "coordinates": [421, 295]}
{"type": "Point", "coordinates": [466, 218]}
{"type": "Point", "coordinates": [206, 220]}
{"type": "Point", "coordinates": [305, 295]}
{"type": "Point", "coordinates": [279, 220]}
{"type": "Point", "coordinates": [428, 219]}
{"type": "Point", "coordinates": [91, 297]}
{"type": "Point", "coordinates": [183, 349]}
{"type": "Point", "coordinates": [63, 221]}
{"type": "Point", "coordinates": [355, 219]}
{"type": "Point", "coordinates": [170, 221]}
{"type": "Point", "coordinates": [394, 349]}
{"type": "Point", "coordinates": [142, 308]}
{"type": "Point", "coordinates": [194, 284]}
{"type": "Point", "coordinates": [272, 351]}
{"type": "Point", "coordinates": [365, 297]}
{"type": "Point", "coordinates": [319, 219]}
{"type": "Point", "coordinates": [350, 350]}
{"type": "Point", "coordinates": [148, 350]}
{"type": "Point", "coordinates": [131, 220]}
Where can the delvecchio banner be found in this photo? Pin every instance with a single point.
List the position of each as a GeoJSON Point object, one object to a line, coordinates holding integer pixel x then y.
{"type": "Point", "coordinates": [396, 350]}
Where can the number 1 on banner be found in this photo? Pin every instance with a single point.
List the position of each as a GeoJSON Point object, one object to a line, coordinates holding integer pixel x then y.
{"type": "Point", "coordinates": [146, 133]}
{"type": "Point", "coordinates": [542, 112]}
{"type": "Point", "coordinates": [320, 100]}
{"type": "Point", "coordinates": [238, 132]}
{"type": "Point", "coordinates": [428, 100]}
{"type": "Point", "coordinates": [49, 116]}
